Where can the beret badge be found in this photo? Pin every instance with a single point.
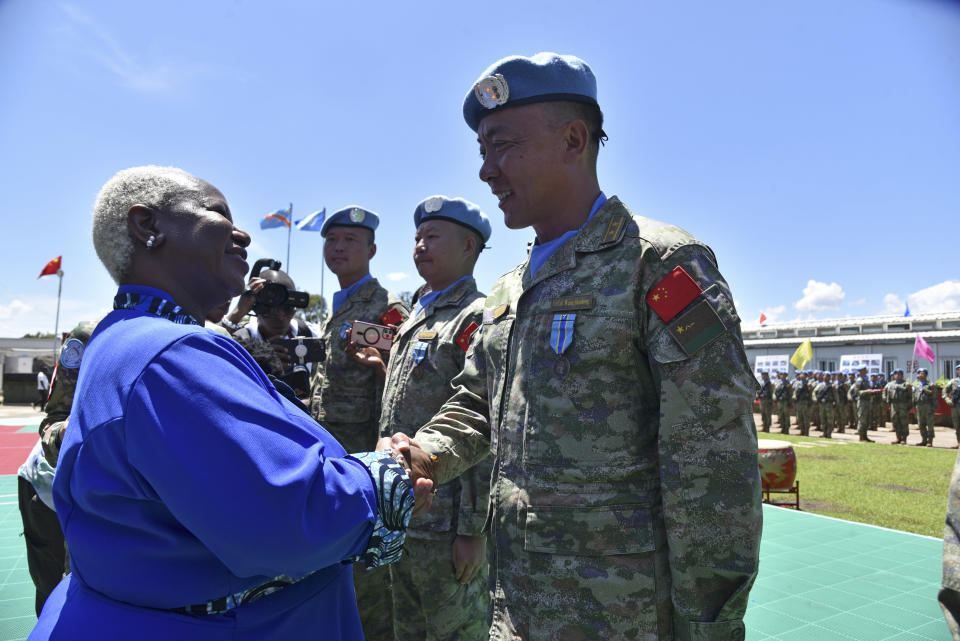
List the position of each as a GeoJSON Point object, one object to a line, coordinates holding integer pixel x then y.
{"type": "Point", "coordinates": [357, 215]}
{"type": "Point", "coordinates": [433, 205]}
{"type": "Point", "coordinates": [492, 91]}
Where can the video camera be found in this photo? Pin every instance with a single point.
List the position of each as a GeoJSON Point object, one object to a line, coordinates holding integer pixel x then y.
{"type": "Point", "coordinates": [275, 294]}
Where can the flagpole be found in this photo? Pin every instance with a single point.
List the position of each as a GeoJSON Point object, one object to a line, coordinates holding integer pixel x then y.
{"type": "Point", "coordinates": [56, 323]}
{"type": "Point", "coordinates": [289, 231]}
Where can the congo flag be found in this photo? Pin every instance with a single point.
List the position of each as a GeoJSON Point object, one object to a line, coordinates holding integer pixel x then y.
{"type": "Point", "coordinates": [52, 267]}
{"type": "Point", "coordinates": [279, 218]}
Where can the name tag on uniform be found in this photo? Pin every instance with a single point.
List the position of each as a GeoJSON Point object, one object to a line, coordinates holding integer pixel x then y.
{"type": "Point", "coordinates": [572, 303]}
{"type": "Point", "coordinates": [427, 336]}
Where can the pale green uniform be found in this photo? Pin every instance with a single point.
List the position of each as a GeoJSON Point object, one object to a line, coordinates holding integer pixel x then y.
{"type": "Point", "coordinates": [625, 499]}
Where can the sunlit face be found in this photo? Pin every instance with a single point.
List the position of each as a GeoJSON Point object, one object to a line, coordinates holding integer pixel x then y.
{"type": "Point", "coordinates": [439, 250]}
{"type": "Point", "coordinates": [206, 251]}
{"type": "Point", "coordinates": [522, 159]}
{"type": "Point", "coordinates": [348, 250]}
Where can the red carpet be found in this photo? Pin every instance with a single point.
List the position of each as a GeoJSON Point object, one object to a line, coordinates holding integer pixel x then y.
{"type": "Point", "coordinates": [14, 447]}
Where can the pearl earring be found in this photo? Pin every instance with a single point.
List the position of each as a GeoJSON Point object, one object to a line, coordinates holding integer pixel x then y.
{"type": "Point", "coordinates": [150, 241]}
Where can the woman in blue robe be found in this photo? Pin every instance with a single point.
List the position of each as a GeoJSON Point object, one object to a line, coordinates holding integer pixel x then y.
{"type": "Point", "coordinates": [197, 502]}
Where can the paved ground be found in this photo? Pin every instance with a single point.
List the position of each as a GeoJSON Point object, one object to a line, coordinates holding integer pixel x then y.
{"type": "Point", "coordinates": [944, 437]}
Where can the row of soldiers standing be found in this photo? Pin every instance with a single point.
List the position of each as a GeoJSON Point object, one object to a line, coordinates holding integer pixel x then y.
{"type": "Point", "coordinates": [841, 399]}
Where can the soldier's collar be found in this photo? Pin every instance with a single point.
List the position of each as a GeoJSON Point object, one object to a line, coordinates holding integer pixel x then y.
{"type": "Point", "coordinates": [606, 228]}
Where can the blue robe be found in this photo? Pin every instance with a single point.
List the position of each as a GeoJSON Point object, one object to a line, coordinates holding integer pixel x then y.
{"type": "Point", "coordinates": [184, 477]}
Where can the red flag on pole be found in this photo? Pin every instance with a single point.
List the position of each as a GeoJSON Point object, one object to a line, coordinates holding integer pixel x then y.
{"type": "Point", "coordinates": [52, 267]}
{"type": "Point", "coordinates": [763, 318]}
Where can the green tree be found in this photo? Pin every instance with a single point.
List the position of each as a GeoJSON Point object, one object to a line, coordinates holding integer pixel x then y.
{"type": "Point", "coordinates": [316, 311]}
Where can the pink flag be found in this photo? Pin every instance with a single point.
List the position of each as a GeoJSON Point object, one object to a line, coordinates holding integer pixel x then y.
{"type": "Point", "coordinates": [923, 350]}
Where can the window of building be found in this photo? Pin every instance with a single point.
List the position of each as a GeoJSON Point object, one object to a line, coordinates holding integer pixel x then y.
{"type": "Point", "coordinates": [769, 333]}
{"type": "Point", "coordinates": [948, 364]}
{"type": "Point", "coordinates": [950, 324]}
{"type": "Point", "coordinates": [854, 329]}
{"type": "Point", "coordinates": [872, 329]}
{"type": "Point", "coordinates": [828, 331]}
{"type": "Point", "coordinates": [806, 332]}
{"type": "Point", "coordinates": [889, 364]}
{"type": "Point", "coordinates": [922, 327]}
{"type": "Point", "coordinates": [898, 327]}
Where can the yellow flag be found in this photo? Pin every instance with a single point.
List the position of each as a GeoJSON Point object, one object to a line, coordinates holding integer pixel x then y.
{"type": "Point", "coordinates": [803, 355]}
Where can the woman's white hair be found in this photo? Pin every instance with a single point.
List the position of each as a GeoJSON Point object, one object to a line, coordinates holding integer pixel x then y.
{"type": "Point", "coordinates": [151, 186]}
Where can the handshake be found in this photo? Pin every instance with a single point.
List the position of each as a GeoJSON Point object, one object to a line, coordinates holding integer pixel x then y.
{"type": "Point", "coordinates": [417, 463]}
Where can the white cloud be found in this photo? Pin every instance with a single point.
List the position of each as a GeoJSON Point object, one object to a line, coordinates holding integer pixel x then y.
{"type": "Point", "coordinates": [15, 308]}
{"type": "Point", "coordinates": [859, 301]}
{"type": "Point", "coordinates": [893, 304]}
{"type": "Point", "coordinates": [819, 296]}
{"type": "Point", "coordinates": [774, 313]}
{"type": "Point", "coordinates": [397, 276]}
{"type": "Point", "coordinates": [943, 297]}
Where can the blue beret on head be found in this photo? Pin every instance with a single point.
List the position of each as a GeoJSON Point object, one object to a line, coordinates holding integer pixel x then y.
{"type": "Point", "coordinates": [456, 210]}
{"type": "Point", "coordinates": [897, 371]}
{"type": "Point", "coordinates": [923, 369]}
{"type": "Point", "coordinates": [518, 80]}
{"type": "Point", "coordinates": [352, 216]}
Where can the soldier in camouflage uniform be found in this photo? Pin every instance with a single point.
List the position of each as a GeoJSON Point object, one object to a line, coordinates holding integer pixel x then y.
{"type": "Point", "coordinates": [802, 401]}
{"type": "Point", "coordinates": [860, 393]}
{"type": "Point", "coordinates": [898, 395]}
{"type": "Point", "coordinates": [842, 408]}
{"type": "Point", "coordinates": [826, 397]}
{"type": "Point", "coordinates": [46, 550]}
{"type": "Point", "coordinates": [610, 381]}
{"type": "Point", "coordinates": [925, 401]}
{"type": "Point", "coordinates": [812, 381]}
{"type": "Point", "coordinates": [440, 583]}
{"type": "Point", "coordinates": [765, 394]}
{"type": "Point", "coordinates": [951, 395]}
{"type": "Point", "coordinates": [781, 396]}
{"type": "Point", "coordinates": [345, 395]}
{"type": "Point", "coordinates": [949, 596]}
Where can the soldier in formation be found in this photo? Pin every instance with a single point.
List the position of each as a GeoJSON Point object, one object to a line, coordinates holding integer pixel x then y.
{"type": "Point", "coordinates": [802, 400]}
{"type": "Point", "coordinates": [899, 396]}
{"type": "Point", "coordinates": [860, 393]}
{"type": "Point", "coordinates": [765, 395]}
{"type": "Point", "coordinates": [781, 395]}
{"type": "Point", "coordinates": [925, 401]}
{"type": "Point", "coordinates": [951, 394]}
{"type": "Point", "coordinates": [826, 397]}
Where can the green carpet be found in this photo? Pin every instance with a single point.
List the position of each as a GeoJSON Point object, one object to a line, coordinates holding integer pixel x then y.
{"type": "Point", "coordinates": [821, 579]}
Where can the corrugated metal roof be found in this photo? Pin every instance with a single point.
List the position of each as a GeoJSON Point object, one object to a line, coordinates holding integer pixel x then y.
{"type": "Point", "coordinates": [859, 320]}
{"type": "Point", "coordinates": [893, 337]}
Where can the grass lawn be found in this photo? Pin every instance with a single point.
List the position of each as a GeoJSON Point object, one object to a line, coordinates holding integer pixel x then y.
{"type": "Point", "coordinates": [904, 488]}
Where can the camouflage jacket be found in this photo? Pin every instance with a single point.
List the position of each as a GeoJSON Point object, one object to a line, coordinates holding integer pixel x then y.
{"type": "Point", "coordinates": [344, 395]}
{"type": "Point", "coordinates": [765, 393]}
{"type": "Point", "coordinates": [825, 393]}
{"type": "Point", "coordinates": [429, 351]}
{"type": "Point", "coordinates": [898, 393]}
{"type": "Point", "coordinates": [951, 556]}
{"type": "Point", "coordinates": [925, 395]}
{"type": "Point", "coordinates": [625, 498]}
{"type": "Point", "coordinates": [856, 390]}
{"type": "Point", "coordinates": [842, 389]}
{"type": "Point", "coordinates": [781, 391]}
{"type": "Point", "coordinates": [62, 386]}
{"type": "Point", "coordinates": [801, 391]}
{"type": "Point", "coordinates": [951, 393]}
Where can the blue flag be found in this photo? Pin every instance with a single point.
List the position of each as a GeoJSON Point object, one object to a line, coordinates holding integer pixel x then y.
{"type": "Point", "coordinates": [313, 222]}
{"type": "Point", "coordinates": [906, 312]}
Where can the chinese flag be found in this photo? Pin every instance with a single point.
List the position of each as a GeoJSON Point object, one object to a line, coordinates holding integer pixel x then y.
{"type": "Point", "coordinates": [52, 267]}
{"type": "Point", "coordinates": [672, 294]}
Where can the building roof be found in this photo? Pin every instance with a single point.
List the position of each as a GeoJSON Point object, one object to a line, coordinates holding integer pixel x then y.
{"type": "Point", "coordinates": [943, 325]}
{"type": "Point", "coordinates": [854, 339]}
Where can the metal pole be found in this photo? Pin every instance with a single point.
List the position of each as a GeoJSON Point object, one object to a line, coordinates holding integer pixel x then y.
{"type": "Point", "coordinates": [289, 231]}
{"type": "Point", "coordinates": [56, 324]}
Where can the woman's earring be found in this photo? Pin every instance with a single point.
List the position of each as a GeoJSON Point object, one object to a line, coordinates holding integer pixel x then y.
{"type": "Point", "coordinates": [150, 241]}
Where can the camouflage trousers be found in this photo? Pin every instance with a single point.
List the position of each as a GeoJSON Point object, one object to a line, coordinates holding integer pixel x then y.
{"type": "Point", "coordinates": [955, 417]}
{"type": "Point", "coordinates": [900, 417]}
{"type": "Point", "coordinates": [840, 412]}
{"type": "Point", "coordinates": [803, 416]}
{"type": "Point", "coordinates": [374, 601]}
{"type": "Point", "coordinates": [863, 416]}
{"type": "Point", "coordinates": [826, 419]}
{"type": "Point", "coordinates": [783, 414]}
{"type": "Point", "coordinates": [429, 604]}
{"type": "Point", "coordinates": [925, 424]}
{"type": "Point", "coordinates": [766, 413]}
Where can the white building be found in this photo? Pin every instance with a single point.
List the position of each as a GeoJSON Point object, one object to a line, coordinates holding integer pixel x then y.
{"type": "Point", "coordinates": [891, 336]}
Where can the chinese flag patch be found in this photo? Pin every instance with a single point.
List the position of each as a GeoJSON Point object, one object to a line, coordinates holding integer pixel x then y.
{"type": "Point", "coordinates": [392, 317]}
{"type": "Point", "coordinates": [463, 340]}
{"type": "Point", "coordinates": [672, 294]}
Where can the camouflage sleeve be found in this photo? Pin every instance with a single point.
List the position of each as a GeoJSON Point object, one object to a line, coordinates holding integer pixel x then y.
{"type": "Point", "coordinates": [57, 411]}
{"type": "Point", "coordinates": [474, 497]}
{"type": "Point", "coordinates": [707, 450]}
{"type": "Point", "coordinates": [459, 434]}
{"type": "Point", "coordinates": [949, 596]}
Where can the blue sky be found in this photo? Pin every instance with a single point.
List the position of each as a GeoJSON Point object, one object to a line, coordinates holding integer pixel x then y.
{"type": "Point", "coordinates": [814, 145]}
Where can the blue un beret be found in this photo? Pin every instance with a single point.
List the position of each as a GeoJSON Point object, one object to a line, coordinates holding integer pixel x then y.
{"type": "Point", "coordinates": [352, 216]}
{"type": "Point", "coordinates": [518, 80]}
{"type": "Point", "coordinates": [456, 210]}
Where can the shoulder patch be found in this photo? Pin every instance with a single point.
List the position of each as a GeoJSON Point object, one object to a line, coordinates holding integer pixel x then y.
{"type": "Point", "coordinates": [674, 292]}
{"type": "Point", "coordinates": [697, 327]}
{"type": "Point", "coordinates": [463, 340]}
{"type": "Point", "coordinates": [71, 353]}
{"type": "Point", "coordinates": [392, 316]}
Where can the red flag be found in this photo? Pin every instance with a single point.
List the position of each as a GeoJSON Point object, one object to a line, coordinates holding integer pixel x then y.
{"type": "Point", "coordinates": [672, 294]}
{"type": "Point", "coordinates": [392, 317]}
{"type": "Point", "coordinates": [52, 267]}
{"type": "Point", "coordinates": [463, 340]}
{"type": "Point", "coordinates": [763, 318]}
